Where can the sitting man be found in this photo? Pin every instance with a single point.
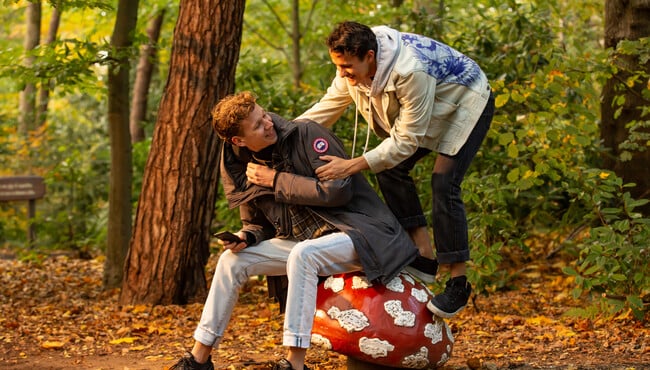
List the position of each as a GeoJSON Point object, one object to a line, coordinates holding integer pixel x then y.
{"type": "Point", "coordinates": [293, 224]}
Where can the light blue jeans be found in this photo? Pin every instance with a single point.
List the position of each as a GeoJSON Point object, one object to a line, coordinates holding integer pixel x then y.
{"type": "Point", "coordinates": [302, 262]}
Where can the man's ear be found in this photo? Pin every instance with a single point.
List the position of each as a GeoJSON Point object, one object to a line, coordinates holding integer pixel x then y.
{"type": "Point", "coordinates": [238, 141]}
{"type": "Point", "coordinates": [370, 54]}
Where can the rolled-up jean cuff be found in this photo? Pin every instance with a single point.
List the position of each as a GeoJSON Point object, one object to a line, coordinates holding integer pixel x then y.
{"type": "Point", "coordinates": [300, 341]}
{"type": "Point", "coordinates": [447, 258]}
{"type": "Point", "coordinates": [413, 222]}
{"type": "Point", "coordinates": [206, 338]}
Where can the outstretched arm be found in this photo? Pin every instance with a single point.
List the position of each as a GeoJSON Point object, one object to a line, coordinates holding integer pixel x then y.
{"type": "Point", "coordinates": [339, 168]}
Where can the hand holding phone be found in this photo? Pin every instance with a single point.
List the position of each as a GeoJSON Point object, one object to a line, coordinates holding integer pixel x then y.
{"type": "Point", "coordinates": [227, 236]}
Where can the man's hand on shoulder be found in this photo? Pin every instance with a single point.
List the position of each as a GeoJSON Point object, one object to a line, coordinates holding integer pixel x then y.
{"type": "Point", "coordinates": [339, 168]}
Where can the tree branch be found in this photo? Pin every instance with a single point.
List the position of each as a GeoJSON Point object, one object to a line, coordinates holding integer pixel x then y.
{"type": "Point", "coordinates": [277, 17]}
{"type": "Point", "coordinates": [309, 17]}
{"type": "Point", "coordinates": [266, 40]}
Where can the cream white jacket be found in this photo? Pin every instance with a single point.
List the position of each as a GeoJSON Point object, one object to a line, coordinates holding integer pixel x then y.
{"type": "Point", "coordinates": [424, 94]}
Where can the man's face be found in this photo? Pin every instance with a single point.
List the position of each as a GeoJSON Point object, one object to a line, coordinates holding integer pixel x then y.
{"type": "Point", "coordinates": [356, 70]}
{"type": "Point", "coordinates": [256, 131]}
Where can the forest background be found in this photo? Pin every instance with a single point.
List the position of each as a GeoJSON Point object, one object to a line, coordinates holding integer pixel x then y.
{"type": "Point", "coordinates": [547, 171]}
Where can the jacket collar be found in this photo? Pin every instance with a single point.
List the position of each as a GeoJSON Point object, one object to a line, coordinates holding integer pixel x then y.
{"type": "Point", "coordinates": [388, 48]}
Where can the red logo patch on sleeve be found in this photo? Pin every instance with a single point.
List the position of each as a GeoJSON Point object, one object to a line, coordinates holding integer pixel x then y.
{"type": "Point", "coordinates": [320, 145]}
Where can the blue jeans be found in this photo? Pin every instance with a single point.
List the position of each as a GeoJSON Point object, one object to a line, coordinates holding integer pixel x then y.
{"type": "Point", "coordinates": [302, 262]}
{"type": "Point", "coordinates": [449, 220]}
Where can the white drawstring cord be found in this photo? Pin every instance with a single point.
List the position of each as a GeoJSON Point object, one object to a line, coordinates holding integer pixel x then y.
{"type": "Point", "coordinates": [354, 137]}
{"type": "Point", "coordinates": [365, 147]}
{"type": "Point", "coordinates": [356, 127]}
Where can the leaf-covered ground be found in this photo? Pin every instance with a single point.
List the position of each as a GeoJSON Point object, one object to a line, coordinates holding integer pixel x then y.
{"type": "Point", "coordinates": [54, 315]}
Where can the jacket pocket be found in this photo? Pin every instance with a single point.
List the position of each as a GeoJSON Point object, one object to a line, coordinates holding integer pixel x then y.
{"type": "Point", "coordinates": [443, 109]}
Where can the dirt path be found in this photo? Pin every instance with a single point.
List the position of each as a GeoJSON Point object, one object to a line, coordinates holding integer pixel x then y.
{"type": "Point", "coordinates": [54, 315]}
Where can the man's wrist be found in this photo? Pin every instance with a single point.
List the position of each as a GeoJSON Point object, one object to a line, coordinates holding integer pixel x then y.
{"type": "Point", "coordinates": [358, 164]}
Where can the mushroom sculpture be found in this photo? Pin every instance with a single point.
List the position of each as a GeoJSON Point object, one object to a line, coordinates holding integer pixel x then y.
{"type": "Point", "coordinates": [387, 325]}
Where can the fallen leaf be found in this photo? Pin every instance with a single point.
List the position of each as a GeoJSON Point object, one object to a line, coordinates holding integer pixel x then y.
{"type": "Point", "coordinates": [52, 344]}
{"type": "Point", "coordinates": [128, 340]}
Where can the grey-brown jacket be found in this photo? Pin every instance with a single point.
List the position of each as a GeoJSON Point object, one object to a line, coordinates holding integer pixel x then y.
{"type": "Point", "coordinates": [350, 204]}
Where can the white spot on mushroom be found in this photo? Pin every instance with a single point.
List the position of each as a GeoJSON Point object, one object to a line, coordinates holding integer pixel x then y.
{"type": "Point", "coordinates": [350, 320]}
{"type": "Point", "coordinates": [319, 340]}
{"type": "Point", "coordinates": [443, 358]}
{"type": "Point", "coordinates": [418, 360]}
{"type": "Point", "coordinates": [433, 331]}
{"type": "Point", "coordinates": [360, 282]}
{"type": "Point", "coordinates": [375, 347]}
{"type": "Point", "coordinates": [400, 317]}
{"type": "Point", "coordinates": [334, 283]}
{"type": "Point", "coordinates": [395, 285]}
{"type": "Point", "coordinates": [420, 295]}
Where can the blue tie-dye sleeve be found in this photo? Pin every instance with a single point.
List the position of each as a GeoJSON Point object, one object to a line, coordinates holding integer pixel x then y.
{"type": "Point", "coordinates": [444, 63]}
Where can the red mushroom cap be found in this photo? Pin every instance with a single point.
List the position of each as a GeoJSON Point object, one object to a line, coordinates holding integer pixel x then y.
{"type": "Point", "coordinates": [387, 324]}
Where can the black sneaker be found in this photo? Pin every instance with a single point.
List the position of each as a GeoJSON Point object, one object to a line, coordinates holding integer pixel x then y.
{"type": "Point", "coordinates": [423, 269]}
{"type": "Point", "coordinates": [453, 299]}
{"type": "Point", "coordinates": [187, 362]}
{"type": "Point", "coordinates": [284, 364]}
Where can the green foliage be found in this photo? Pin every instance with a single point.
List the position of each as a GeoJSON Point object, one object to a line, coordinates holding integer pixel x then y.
{"type": "Point", "coordinates": [68, 64]}
{"type": "Point", "coordinates": [226, 218]}
{"type": "Point", "coordinates": [638, 139]}
{"type": "Point", "coordinates": [492, 225]}
{"type": "Point", "coordinates": [140, 154]}
{"type": "Point", "coordinates": [75, 165]}
{"type": "Point", "coordinates": [612, 268]}
{"type": "Point", "coordinates": [71, 151]}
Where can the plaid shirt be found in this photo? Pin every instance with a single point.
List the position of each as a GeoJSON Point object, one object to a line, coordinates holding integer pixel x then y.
{"type": "Point", "coordinates": [306, 224]}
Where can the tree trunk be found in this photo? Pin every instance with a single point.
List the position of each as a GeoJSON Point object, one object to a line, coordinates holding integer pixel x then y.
{"type": "Point", "coordinates": [626, 20]}
{"type": "Point", "coordinates": [170, 244]}
{"type": "Point", "coordinates": [44, 95]}
{"type": "Point", "coordinates": [296, 70]}
{"type": "Point", "coordinates": [28, 94]}
{"type": "Point", "coordinates": [143, 78]}
{"type": "Point", "coordinates": [119, 195]}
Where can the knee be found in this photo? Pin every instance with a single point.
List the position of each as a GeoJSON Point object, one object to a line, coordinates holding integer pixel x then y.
{"type": "Point", "coordinates": [398, 173]}
{"type": "Point", "coordinates": [441, 186]}
{"type": "Point", "coordinates": [299, 253]}
{"type": "Point", "coordinates": [227, 262]}
{"type": "Point", "coordinates": [301, 256]}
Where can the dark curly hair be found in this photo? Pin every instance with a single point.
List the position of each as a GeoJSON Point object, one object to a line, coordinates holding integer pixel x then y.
{"type": "Point", "coordinates": [352, 38]}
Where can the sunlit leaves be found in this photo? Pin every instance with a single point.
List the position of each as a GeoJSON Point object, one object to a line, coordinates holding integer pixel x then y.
{"type": "Point", "coordinates": [501, 100]}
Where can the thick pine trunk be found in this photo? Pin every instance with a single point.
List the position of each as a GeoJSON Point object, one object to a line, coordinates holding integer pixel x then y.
{"type": "Point", "coordinates": [170, 243]}
{"type": "Point", "coordinates": [626, 20]}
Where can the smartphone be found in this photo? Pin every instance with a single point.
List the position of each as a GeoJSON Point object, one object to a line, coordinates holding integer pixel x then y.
{"type": "Point", "coordinates": [227, 236]}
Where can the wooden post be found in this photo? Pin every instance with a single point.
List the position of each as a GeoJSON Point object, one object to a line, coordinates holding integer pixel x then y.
{"type": "Point", "coordinates": [31, 213]}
